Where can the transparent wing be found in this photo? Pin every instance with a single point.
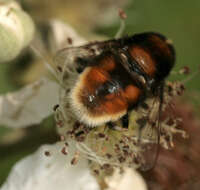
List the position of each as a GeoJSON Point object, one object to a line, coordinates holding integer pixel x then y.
{"type": "Point", "coordinates": [151, 133]}
{"type": "Point", "coordinates": [71, 61]}
{"type": "Point", "coordinates": [147, 131]}
{"type": "Point", "coordinates": [144, 120]}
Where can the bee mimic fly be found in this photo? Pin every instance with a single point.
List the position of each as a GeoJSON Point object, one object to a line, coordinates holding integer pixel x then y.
{"type": "Point", "coordinates": [111, 78]}
{"type": "Point", "coordinates": [105, 81]}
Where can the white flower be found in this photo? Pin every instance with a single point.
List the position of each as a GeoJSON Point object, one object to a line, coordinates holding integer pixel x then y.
{"type": "Point", "coordinates": [39, 172]}
{"type": "Point", "coordinates": [129, 180]}
{"type": "Point", "coordinates": [29, 105]}
{"type": "Point", "coordinates": [54, 170]}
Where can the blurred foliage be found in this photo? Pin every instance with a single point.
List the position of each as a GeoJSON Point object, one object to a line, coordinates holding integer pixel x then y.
{"type": "Point", "coordinates": [178, 20]}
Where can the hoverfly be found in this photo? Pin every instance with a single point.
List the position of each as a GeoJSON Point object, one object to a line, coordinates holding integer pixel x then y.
{"type": "Point", "coordinates": [106, 80]}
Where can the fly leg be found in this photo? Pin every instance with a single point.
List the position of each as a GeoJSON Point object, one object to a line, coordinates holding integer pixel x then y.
{"type": "Point", "coordinates": [115, 126]}
{"type": "Point", "coordinates": [125, 121]}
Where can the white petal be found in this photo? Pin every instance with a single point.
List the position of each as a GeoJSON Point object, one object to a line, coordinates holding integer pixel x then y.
{"type": "Point", "coordinates": [39, 172]}
{"type": "Point", "coordinates": [129, 180]}
{"type": "Point", "coordinates": [61, 32]}
{"type": "Point", "coordinates": [29, 105]}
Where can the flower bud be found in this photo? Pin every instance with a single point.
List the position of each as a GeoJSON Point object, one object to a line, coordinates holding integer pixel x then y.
{"type": "Point", "coordinates": [16, 30]}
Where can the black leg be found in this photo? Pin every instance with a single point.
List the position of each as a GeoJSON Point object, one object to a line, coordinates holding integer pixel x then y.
{"type": "Point", "coordinates": [125, 121]}
{"type": "Point", "coordinates": [111, 125]}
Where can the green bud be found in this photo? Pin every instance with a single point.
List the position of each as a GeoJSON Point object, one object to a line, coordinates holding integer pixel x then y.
{"type": "Point", "coordinates": [16, 30]}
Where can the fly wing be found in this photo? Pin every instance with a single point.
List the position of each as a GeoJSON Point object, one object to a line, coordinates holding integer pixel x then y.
{"type": "Point", "coordinates": [73, 60]}
{"type": "Point", "coordinates": [147, 132]}
{"type": "Point", "coordinates": [68, 61]}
